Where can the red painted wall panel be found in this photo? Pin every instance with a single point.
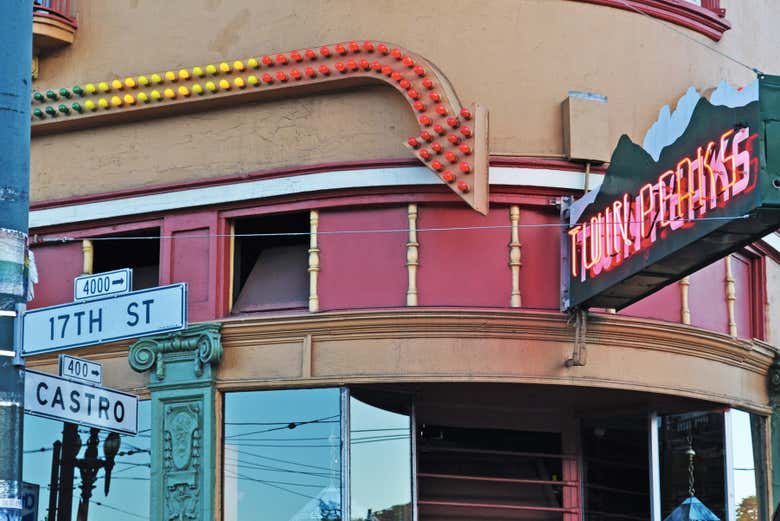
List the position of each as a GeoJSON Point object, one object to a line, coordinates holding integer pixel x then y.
{"type": "Point", "coordinates": [740, 268]}
{"type": "Point", "coordinates": [57, 265]}
{"type": "Point", "coordinates": [707, 298]}
{"type": "Point", "coordinates": [362, 270]}
{"type": "Point", "coordinates": [541, 256]}
{"type": "Point", "coordinates": [665, 304]}
{"type": "Point", "coordinates": [464, 267]}
{"type": "Point", "coordinates": [191, 251]}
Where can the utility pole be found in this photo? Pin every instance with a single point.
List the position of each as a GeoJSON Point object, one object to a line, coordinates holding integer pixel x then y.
{"type": "Point", "coordinates": [15, 86]}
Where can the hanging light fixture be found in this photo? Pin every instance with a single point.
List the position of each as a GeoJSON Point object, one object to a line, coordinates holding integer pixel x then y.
{"type": "Point", "coordinates": [692, 509]}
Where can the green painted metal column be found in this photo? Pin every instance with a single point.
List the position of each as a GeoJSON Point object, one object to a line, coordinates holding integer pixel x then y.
{"type": "Point", "coordinates": [182, 376]}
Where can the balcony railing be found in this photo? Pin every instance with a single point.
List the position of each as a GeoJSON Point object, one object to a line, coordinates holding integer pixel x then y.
{"type": "Point", "coordinates": [61, 10]}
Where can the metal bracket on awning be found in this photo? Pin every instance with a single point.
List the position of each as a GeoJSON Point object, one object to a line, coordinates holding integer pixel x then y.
{"type": "Point", "coordinates": [579, 319]}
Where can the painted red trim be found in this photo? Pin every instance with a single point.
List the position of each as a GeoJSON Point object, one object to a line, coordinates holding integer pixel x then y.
{"type": "Point", "coordinates": [517, 162]}
{"type": "Point", "coordinates": [703, 20]}
{"type": "Point", "coordinates": [97, 231]}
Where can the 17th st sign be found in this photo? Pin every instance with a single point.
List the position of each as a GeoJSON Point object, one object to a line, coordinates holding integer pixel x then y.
{"type": "Point", "coordinates": [144, 312]}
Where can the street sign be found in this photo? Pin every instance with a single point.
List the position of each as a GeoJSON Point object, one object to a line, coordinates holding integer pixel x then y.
{"type": "Point", "coordinates": [79, 369]}
{"type": "Point", "coordinates": [105, 319]}
{"type": "Point", "coordinates": [30, 493]}
{"type": "Point", "coordinates": [64, 400]}
{"type": "Point", "coordinates": [115, 282]}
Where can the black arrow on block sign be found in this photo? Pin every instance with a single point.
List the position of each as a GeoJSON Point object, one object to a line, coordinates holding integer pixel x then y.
{"type": "Point", "coordinates": [95, 372]}
{"type": "Point", "coordinates": [117, 281]}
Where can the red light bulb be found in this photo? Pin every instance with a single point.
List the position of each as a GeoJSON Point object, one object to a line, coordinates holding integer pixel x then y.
{"type": "Point", "coordinates": [453, 138]}
{"type": "Point", "coordinates": [376, 66]}
{"type": "Point", "coordinates": [354, 47]}
{"type": "Point", "coordinates": [295, 55]}
{"type": "Point", "coordinates": [419, 71]}
{"type": "Point", "coordinates": [295, 74]}
{"type": "Point", "coordinates": [465, 113]}
{"type": "Point", "coordinates": [387, 71]}
{"type": "Point", "coordinates": [365, 65]}
{"type": "Point", "coordinates": [440, 110]}
{"type": "Point", "coordinates": [368, 46]}
{"type": "Point", "coordinates": [267, 60]}
{"type": "Point", "coordinates": [397, 76]}
{"type": "Point", "coordinates": [427, 83]}
{"type": "Point", "coordinates": [405, 84]}
{"type": "Point", "coordinates": [324, 70]}
{"type": "Point", "coordinates": [382, 48]}
{"type": "Point", "coordinates": [436, 147]}
{"type": "Point", "coordinates": [397, 54]}
{"type": "Point", "coordinates": [311, 73]}
{"type": "Point", "coordinates": [451, 157]}
{"type": "Point", "coordinates": [281, 76]}
{"type": "Point", "coordinates": [281, 59]}
{"type": "Point", "coordinates": [448, 176]}
{"type": "Point", "coordinates": [463, 186]}
{"type": "Point", "coordinates": [436, 165]}
{"type": "Point", "coordinates": [425, 120]}
{"type": "Point", "coordinates": [351, 65]}
{"type": "Point", "coordinates": [413, 142]}
{"type": "Point", "coordinates": [425, 154]}
{"type": "Point", "coordinates": [325, 51]}
{"type": "Point", "coordinates": [465, 167]}
{"type": "Point", "coordinates": [408, 61]}
{"type": "Point", "coordinates": [340, 49]}
{"type": "Point", "coordinates": [434, 96]}
{"type": "Point", "coordinates": [439, 129]}
{"type": "Point", "coordinates": [310, 54]}
{"type": "Point", "coordinates": [466, 131]}
{"type": "Point", "coordinates": [453, 122]}
{"type": "Point", "coordinates": [465, 148]}
{"type": "Point", "coordinates": [412, 94]}
{"type": "Point", "coordinates": [419, 105]}
{"type": "Point", "coordinates": [340, 67]}
{"type": "Point", "coordinates": [267, 78]}
{"type": "Point", "coordinates": [426, 135]}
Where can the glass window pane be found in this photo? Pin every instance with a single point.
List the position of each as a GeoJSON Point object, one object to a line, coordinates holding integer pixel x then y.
{"type": "Point", "coordinates": [380, 461]}
{"type": "Point", "coordinates": [282, 455]}
{"type": "Point", "coordinates": [128, 498]}
{"type": "Point", "coordinates": [704, 433]}
{"type": "Point", "coordinates": [743, 467]}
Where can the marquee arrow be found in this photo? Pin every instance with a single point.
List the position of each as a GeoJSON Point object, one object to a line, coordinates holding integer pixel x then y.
{"type": "Point", "coordinates": [452, 140]}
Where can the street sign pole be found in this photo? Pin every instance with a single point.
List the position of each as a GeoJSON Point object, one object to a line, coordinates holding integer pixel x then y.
{"type": "Point", "coordinates": [15, 84]}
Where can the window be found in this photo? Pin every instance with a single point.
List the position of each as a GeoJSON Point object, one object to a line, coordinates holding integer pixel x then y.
{"type": "Point", "coordinates": [139, 250]}
{"type": "Point", "coordinates": [282, 455]}
{"type": "Point", "coordinates": [270, 269]}
{"type": "Point", "coordinates": [128, 497]}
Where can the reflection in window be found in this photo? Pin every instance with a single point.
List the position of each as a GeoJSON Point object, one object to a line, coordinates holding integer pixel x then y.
{"type": "Point", "coordinates": [615, 468]}
{"type": "Point", "coordinates": [380, 461]}
{"type": "Point", "coordinates": [282, 455]}
{"type": "Point", "coordinates": [746, 465]}
{"type": "Point", "coordinates": [704, 433]}
{"type": "Point", "coordinates": [128, 498]}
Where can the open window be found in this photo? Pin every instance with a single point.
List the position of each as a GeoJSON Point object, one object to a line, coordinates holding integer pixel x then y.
{"type": "Point", "coordinates": [139, 250]}
{"type": "Point", "coordinates": [270, 270]}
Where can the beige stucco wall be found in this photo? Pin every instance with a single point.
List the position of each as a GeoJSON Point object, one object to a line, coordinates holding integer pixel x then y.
{"type": "Point", "coordinates": [518, 57]}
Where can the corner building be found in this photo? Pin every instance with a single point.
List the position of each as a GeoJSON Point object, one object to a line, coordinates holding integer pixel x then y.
{"type": "Point", "coordinates": [362, 344]}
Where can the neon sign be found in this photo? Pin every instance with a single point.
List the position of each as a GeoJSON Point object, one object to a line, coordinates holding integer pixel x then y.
{"type": "Point", "coordinates": [713, 176]}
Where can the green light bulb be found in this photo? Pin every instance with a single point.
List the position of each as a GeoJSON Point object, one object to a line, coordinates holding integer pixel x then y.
{"type": "Point", "coordinates": [51, 112]}
{"type": "Point", "coordinates": [78, 90]}
{"type": "Point", "coordinates": [38, 96]}
{"type": "Point", "coordinates": [38, 113]}
{"type": "Point", "coordinates": [77, 107]}
{"type": "Point", "coordinates": [52, 95]}
{"type": "Point", "coordinates": [64, 109]}
{"type": "Point", "coordinates": [65, 93]}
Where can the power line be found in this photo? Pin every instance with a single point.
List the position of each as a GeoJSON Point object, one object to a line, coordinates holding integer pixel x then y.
{"type": "Point", "coordinates": [279, 460]}
{"type": "Point", "coordinates": [65, 239]}
{"type": "Point", "coordinates": [291, 425]}
{"type": "Point", "coordinates": [98, 503]}
{"type": "Point", "coordinates": [694, 40]}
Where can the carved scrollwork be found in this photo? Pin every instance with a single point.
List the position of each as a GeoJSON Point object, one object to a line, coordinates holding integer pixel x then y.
{"type": "Point", "coordinates": [183, 423]}
{"type": "Point", "coordinates": [202, 342]}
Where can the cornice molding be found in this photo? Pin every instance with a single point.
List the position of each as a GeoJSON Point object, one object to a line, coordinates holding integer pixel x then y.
{"type": "Point", "coordinates": [678, 12]}
{"type": "Point", "coordinates": [603, 329]}
{"type": "Point", "coordinates": [200, 344]}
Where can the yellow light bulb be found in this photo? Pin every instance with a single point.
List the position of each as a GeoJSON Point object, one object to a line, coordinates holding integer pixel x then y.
{"type": "Point", "coordinates": [103, 103]}
{"type": "Point", "coordinates": [197, 71]}
{"type": "Point", "coordinates": [156, 78]}
{"type": "Point", "coordinates": [116, 101]}
{"type": "Point", "coordinates": [211, 69]}
{"type": "Point", "coordinates": [210, 86]}
{"type": "Point", "coordinates": [130, 83]}
{"type": "Point", "coordinates": [239, 82]}
{"type": "Point", "coordinates": [143, 98]}
{"type": "Point", "coordinates": [90, 88]}
{"type": "Point", "coordinates": [155, 95]}
{"type": "Point", "coordinates": [170, 76]}
{"type": "Point", "coordinates": [90, 105]}
{"type": "Point", "coordinates": [184, 74]}
{"type": "Point", "coordinates": [169, 93]}
{"type": "Point", "coordinates": [116, 85]}
{"type": "Point", "coordinates": [103, 86]}
{"type": "Point", "coordinates": [252, 80]}
{"type": "Point", "coordinates": [184, 91]}
{"type": "Point", "coordinates": [238, 65]}
{"type": "Point", "coordinates": [224, 84]}
{"type": "Point", "coordinates": [130, 100]}
{"type": "Point", "coordinates": [224, 67]}
{"type": "Point", "coordinates": [197, 89]}
{"type": "Point", "coordinates": [252, 63]}
{"type": "Point", "coordinates": [143, 81]}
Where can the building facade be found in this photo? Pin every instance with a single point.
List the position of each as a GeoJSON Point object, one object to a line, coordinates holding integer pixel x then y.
{"type": "Point", "coordinates": [364, 199]}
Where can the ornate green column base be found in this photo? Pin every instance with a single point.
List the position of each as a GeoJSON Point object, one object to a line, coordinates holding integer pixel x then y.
{"type": "Point", "coordinates": [774, 429]}
{"type": "Point", "coordinates": [182, 371]}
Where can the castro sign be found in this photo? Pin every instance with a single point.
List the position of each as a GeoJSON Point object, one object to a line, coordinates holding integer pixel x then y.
{"type": "Point", "coordinates": [64, 400]}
